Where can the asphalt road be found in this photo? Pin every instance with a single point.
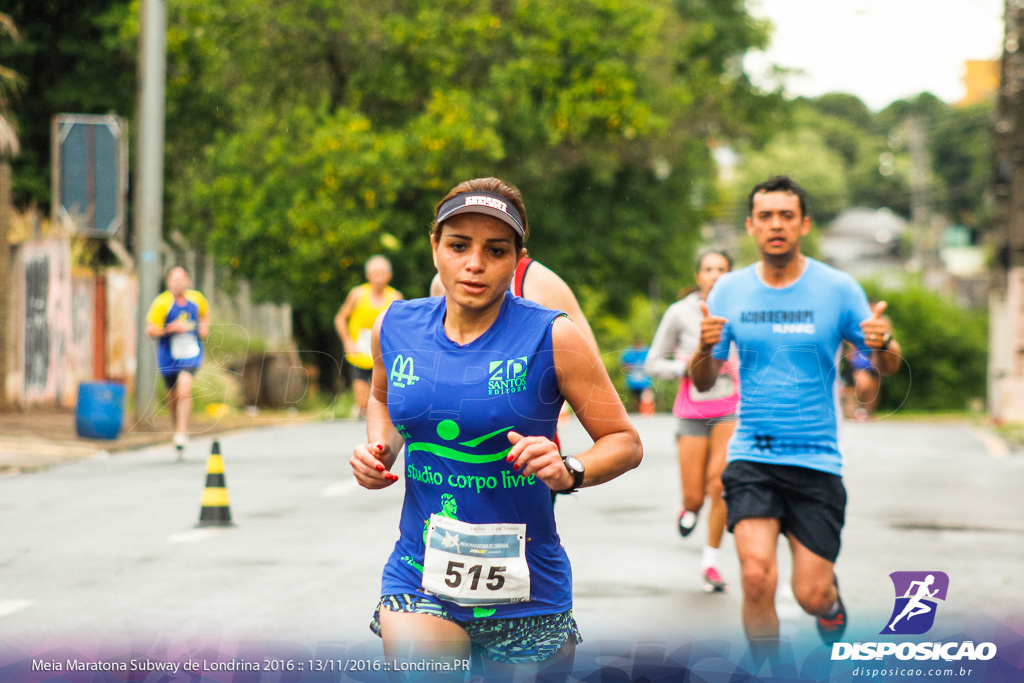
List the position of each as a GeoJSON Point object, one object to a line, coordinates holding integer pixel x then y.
{"type": "Point", "coordinates": [105, 549]}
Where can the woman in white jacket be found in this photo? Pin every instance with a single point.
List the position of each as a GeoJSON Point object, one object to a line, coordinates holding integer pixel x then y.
{"type": "Point", "coordinates": [705, 419]}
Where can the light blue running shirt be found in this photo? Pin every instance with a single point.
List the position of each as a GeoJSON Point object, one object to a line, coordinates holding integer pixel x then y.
{"type": "Point", "coordinates": [789, 341]}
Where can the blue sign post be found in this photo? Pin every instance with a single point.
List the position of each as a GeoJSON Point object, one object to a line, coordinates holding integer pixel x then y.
{"type": "Point", "coordinates": [90, 173]}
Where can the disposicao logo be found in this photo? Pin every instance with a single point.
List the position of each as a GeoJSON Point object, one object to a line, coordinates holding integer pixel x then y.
{"type": "Point", "coordinates": [917, 597]}
{"type": "Point", "coordinates": [917, 594]}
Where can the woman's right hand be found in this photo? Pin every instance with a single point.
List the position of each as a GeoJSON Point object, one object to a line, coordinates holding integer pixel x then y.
{"type": "Point", "coordinates": [368, 465]}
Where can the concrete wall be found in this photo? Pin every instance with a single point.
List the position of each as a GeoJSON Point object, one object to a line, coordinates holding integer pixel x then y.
{"type": "Point", "coordinates": [1006, 349]}
{"type": "Point", "coordinates": [42, 306]}
{"type": "Point", "coordinates": [122, 319]}
{"type": "Point", "coordinates": [67, 326]}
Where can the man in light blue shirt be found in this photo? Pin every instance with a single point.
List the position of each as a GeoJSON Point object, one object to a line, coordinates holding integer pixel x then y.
{"type": "Point", "coordinates": [788, 316]}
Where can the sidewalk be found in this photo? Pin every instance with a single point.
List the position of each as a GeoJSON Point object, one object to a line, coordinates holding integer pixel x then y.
{"type": "Point", "coordinates": [32, 440]}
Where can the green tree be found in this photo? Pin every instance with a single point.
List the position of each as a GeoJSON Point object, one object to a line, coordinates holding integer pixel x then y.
{"type": "Point", "coordinates": [803, 154]}
{"type": "Point", "coordinates": [961, 155]}
{"type": "Point", "coordinates": [959, 141]}
{"type": "Point", "coordinates": [944, 347]}
{"type": "Point", "coordinates": [71, 63]}
{"type": "Point", "coordinates": [10, 83]}
{"type": "Point", "coordinates": [876, 165]}
{"type": "Point", "coordinates": [305, 137]}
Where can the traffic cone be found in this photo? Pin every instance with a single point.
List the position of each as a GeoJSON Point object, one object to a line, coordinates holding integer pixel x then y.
{"type": "Point", "coordinates": [647, 402]}
{"type": "Point", "coordinates": [215, 511]}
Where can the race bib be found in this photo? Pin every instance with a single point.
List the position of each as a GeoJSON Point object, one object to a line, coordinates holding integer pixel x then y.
{"type": "Point", "coordinates": [364, 343]}
{"type": "Point", "coordinates": [184, 346]}
{"type": "Point", "coordinates": [724, 387]}
{"type": "Point", "coordinates": [476, 564]}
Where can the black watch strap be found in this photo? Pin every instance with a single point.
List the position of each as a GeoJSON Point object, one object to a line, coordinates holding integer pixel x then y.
{"type": "Point", "coordinates": [577, 477]}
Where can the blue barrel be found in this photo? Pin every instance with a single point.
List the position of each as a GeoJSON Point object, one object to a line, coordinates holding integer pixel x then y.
{"type": "Point", "coordinates": [100, 410]}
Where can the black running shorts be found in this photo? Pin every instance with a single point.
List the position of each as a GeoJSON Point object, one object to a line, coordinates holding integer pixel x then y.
{"type": "Point", "coordinates": [360, 374]}
{"type": "Point", "coordinates": [810, 504]}
{"type": "Point", "coordinates": [171, 378]}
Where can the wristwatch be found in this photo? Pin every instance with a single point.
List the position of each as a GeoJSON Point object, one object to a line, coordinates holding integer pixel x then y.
{"type": "Point", "coordinates": [576, 469]}
{"type": "Point", "coordinates": [886, 341]}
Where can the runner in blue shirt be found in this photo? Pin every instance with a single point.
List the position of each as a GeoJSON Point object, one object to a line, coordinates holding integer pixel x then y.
{"type": "Point", "coordinates": [788, 316]}
{"type": "Point", "coordinates": [637, 380]}
{"type": "Point", "coordinates": [179, 320]}
{"type": "Point", "coordinates": [471, 383]}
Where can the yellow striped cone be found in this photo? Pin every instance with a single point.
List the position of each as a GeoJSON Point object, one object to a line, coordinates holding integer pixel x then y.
{"type": "Point", "coordinates": [215, 511]}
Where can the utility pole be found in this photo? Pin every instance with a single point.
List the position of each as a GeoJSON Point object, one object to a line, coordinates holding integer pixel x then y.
{"type": "Point", "coordinates": [926, 240]}
{"type": "Point", "coordinates": [1006, 293]}
{"type": "Point", "coordinates": [149, 189]}
{"type": "Point", "coordinates": [917, 150]}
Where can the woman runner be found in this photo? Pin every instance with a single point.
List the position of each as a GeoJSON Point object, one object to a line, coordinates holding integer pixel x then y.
{"type": "Point", "coordinates": [471, 384]}
{"type": "Point", "coordinates": [706, 418]}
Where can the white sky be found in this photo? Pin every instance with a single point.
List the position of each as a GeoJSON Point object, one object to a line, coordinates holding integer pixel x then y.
{"type": "Point", "coordinates": [879, 50]}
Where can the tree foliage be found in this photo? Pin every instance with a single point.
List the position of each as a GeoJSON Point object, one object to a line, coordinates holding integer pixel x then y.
{"type": "Point", "coordinates": [70, 63]}
{"type": "Point", "coordinates": [944, 347]}
{"type": "Point", "coordinates": [845, 155]}
{"type": "Point", "coordinates": [305, 137]}
{"type": "Point", "coordinates": [10, 83]}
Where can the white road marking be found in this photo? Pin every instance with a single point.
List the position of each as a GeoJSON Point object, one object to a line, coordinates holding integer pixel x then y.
{"type": "Point", "coordinates": [996, 446]}
{"type": "Point", "coordinates": [195, 535]}
{"type": "Point", "coordinates": [339, 489]}
{"type": "Point", "coordinates": [8, 607]}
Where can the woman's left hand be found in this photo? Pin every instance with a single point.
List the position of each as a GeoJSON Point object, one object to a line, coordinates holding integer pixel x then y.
{"type": "Point", "coordinates": [539, 456]}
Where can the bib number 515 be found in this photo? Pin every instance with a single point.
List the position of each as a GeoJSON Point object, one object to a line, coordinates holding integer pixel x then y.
{"type": "Point", "coordinates": [494, 581]}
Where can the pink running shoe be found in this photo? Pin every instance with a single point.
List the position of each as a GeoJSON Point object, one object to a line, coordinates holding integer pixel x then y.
{"type": "Point", "coordinates": [713, 582]}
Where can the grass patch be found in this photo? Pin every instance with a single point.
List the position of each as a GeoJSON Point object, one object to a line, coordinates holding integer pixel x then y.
{"type": "Point", "coordinates": [1011, 432]}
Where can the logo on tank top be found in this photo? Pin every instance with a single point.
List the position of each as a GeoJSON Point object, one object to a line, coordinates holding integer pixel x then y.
{"type": "Point", "coordinates": [507, 376]}
{"type": "Point", "coordinates": [403, 372]}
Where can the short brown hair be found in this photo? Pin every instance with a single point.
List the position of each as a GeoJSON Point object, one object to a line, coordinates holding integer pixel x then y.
{"type": "Point", "coordinates": [779, 183]}
{"type": "Point", "coordinates": [494, 186]}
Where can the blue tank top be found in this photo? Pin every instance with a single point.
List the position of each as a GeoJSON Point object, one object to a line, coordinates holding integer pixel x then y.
{"type": "Point", "coordinates": [454, 406]}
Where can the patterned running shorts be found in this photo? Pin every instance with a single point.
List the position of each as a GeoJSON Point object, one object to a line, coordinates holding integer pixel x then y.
{"type": "Point", "coordinates": [509, 641]}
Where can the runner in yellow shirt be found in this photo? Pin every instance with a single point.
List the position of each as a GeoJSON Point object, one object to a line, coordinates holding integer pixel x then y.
{"type": "Point", "coordinates": [354, 323]}
{"type": "Point", "coordinates": [179, 320]}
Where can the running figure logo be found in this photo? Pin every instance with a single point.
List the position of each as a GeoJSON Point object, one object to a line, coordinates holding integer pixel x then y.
{"type": "Point", "coordinates": [916, 595]}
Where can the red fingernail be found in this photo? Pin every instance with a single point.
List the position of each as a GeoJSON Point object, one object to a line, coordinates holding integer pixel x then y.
{"type": "Point", "coordinates": [380, 468]}
{"type": "Point", "coordinates": [379, 446]}
{"type": "Point", "coordinates": [516, 466]}
{"type": "Point", "coordinates": [510, 458]}
{"type": "Point", "coordinates": [523, 474]}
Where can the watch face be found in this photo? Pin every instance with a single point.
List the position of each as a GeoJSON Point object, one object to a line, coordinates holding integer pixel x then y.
{"type": "Point", "coordinates": [573, 464]}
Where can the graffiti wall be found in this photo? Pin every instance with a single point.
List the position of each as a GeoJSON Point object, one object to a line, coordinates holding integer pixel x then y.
{"type": "Point", "coordinates": [68, 328]}
{"type": "Point", "coordinates": [43, 358]}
